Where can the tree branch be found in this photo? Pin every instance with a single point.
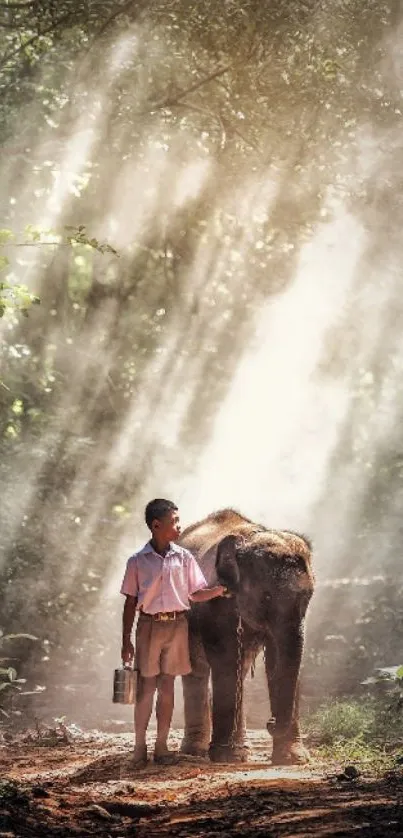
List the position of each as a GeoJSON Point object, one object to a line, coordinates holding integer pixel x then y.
{"type": "Point", "coordinates": [216, 117]}
{"type": "Point", "coordinates": [119, 11]}
{"type": "Point", "coordinates": [171, 101]}
{"type": "Point", "coordinates": [22, 47]}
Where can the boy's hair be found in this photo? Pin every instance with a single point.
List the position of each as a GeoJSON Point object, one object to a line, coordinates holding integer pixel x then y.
{"type": "Point", "coordinates": [158, 508]}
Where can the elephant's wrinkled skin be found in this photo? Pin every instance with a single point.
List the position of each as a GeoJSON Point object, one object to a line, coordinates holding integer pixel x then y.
{"type": "Point", "coordinates": [269, 575]}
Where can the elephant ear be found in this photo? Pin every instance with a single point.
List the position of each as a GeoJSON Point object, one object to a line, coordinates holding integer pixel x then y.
{"type": "Point", "coordinates": [226, 563]}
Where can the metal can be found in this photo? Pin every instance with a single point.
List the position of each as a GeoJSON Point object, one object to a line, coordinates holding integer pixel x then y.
{"type": "Point", "coordinates": [124, 685]}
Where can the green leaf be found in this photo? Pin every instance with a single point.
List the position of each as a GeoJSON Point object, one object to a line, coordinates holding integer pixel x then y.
{"type": "Point", "coordinates": [17, 407]}
{"type": "Point", "coordinates": [5, 236]}
{"type": "Point", "coordinates": [33, 232]}
{"type": "Point", "coordinates": [399, 673]}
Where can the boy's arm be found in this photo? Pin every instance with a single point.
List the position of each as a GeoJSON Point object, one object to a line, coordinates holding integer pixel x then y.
{"type": "Point", "coordinates": [204, 594]}
{"type": "Point", "coordinates": [130, 588]}
{"type": "Point", "coordinates": [129, 610]}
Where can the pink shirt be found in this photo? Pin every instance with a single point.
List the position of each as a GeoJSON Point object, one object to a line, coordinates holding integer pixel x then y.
{"type": "Point", "coordinates": [162, 583]}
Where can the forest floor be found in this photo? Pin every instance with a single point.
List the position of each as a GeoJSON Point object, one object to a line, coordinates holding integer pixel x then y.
{"type": "Point", "coordinates": [81, 784]}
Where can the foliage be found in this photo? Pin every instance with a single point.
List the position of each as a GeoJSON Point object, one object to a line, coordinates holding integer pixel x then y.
{"type": "Point", "coordinates": [367, 757]}
{"type": "Point", "coordinates": [341, 720]}
{"type": "Point", "coordinates": [15, 297]}
{"type": "Point", "coordinates": [79, 235]}
{"type": "Point", "coordinates": [375, 720]}
{"type": "Point", "coordinates": [354, 629]}
{"type": "Point", "coordinates": [367, 732]}
{"type": "Point", "coordinates": [386, 687]}
{"type": "Point", "coordinates": [10, 683]}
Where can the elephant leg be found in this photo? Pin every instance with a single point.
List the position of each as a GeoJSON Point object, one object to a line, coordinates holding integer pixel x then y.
{"type": "Point", "coordinates": [196, 700]}
{"type": "Point", "coordinates": [239, 736]}
{"type": "Point", "coordinates": [227, 739]}
{"type": "Point", "coordinates": [297, 752]}
{"type": "Point", "coordinates": [283, 660]}
{"type": "Point", "coordinates": [228, 743]}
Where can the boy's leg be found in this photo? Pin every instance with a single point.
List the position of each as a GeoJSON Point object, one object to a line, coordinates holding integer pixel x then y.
{"type": "Point", "coordinates": [146, 684]}
{"type": "Point", "coordinates": [164, 710]}
{"type": "Point", "coordinates": [142, 713]}
{"type": "Point", "coordinates": [174, 661]}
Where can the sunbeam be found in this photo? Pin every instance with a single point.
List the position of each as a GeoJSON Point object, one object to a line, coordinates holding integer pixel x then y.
{"type": "Point", "coordinates": [209, 209]}
{"type": "Point", "coordinates": [277, 428]}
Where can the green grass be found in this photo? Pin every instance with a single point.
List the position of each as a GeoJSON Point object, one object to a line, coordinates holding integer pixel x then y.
{"type": "Point", "coordinates": [372, 721]}
{"type": "Point", "coordinates": [367, 758]}
{"type": "Point", "coordinates": [365, 734]}
{"type": "Point", "coordinates": [340, 720]}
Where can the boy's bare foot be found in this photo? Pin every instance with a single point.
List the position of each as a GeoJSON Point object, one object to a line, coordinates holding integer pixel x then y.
{"type": "Point", "coordinates": [139, 756]}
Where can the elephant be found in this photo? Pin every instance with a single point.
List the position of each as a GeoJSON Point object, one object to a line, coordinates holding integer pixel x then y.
{"type": "Point", "coordinates": [269, 579]}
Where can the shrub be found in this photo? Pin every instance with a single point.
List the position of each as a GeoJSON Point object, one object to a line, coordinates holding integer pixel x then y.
{"type": "Point", "coordinates": [347, 720]}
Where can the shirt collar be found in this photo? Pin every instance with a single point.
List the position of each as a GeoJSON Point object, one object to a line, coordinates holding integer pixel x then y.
{"type": "Point", "coordinates": [148, 548]}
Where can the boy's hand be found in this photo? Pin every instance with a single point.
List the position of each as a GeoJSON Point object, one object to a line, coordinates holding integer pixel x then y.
{"type": "Point", "coordinates": [208, 593]}
{"type": "Point", "coordinates": [127, 651]}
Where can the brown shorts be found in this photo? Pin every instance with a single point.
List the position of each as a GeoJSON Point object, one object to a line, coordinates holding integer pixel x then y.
{"type": "Point", "coordinates": [162, 647]}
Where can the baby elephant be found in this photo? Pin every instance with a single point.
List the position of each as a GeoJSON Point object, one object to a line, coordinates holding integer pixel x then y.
{"type": "Point", "coordinates": [270, 582]}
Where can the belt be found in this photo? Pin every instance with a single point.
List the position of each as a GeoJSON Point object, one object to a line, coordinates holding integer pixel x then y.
{"type": "Point", "coordinates": [163, 616]}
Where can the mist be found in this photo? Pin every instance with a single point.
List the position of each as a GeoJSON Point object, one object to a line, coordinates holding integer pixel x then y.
{"type": "Point", "coordinates": [243, 347]}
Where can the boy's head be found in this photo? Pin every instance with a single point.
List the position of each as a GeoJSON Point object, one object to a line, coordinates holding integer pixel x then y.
{"type": "Point", "coordinates": [162, 518]}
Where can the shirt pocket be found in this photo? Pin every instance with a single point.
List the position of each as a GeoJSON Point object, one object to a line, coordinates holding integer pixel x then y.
{"type": "Point", "coordinates": [178, 576]}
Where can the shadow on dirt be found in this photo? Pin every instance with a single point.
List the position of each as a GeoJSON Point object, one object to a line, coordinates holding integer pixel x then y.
{"type": "Point", "coordinates": [90, 787]}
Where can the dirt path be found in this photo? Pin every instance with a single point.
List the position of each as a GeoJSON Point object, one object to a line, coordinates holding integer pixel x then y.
{"type": "Point", "coordinates": [86, 787]}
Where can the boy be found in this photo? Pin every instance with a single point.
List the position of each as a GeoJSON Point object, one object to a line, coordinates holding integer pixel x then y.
{"type": "Point", "coordinates": [160, 580]}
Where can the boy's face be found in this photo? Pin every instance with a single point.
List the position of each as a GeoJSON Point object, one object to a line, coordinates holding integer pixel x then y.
{"type": "Point", "coordinates": [168, 528]}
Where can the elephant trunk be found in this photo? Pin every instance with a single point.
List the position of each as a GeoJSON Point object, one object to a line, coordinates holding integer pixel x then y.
{"type": "Point", "coordinates": [283, 661]}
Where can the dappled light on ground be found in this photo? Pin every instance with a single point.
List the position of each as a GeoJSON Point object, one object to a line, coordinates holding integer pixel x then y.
{"type": "Point", "coordinates": [87, 784]}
